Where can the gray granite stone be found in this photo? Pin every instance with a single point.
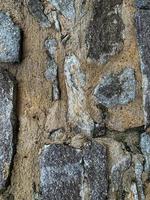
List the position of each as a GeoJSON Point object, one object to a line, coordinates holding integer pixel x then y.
{"type": "Point", "coordinates": [70, 174]}
{"type": "Point", "coordinates": [143, 36]}
{"type": "Point", "coordinates": [7, 124]}
{"type": "Point", "coordinates": [145, 148]}
{"type": "Point", "coordinates": [143, 4]}
{"type": "Point", "coordinates": [116, 89]}
{"type": "Point", "coordinates": [95, 166]}
{"type": "Point", "coordinates": [36, 9]}
{"type": "Point", "coordinates": [10, 39]}
{"type": "Point", "coordinates": [104, 35]}
{"type": "Point", "coordinates": [61, 173]}
{"type": "Point", "coordinates": [66, 7]}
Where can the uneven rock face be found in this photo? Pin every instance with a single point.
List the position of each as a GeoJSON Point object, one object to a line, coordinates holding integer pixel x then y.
{"type": "Point", "coordinates": [104, 35]}
{"type": "Point", "coordinates": [75, 83]}
{"type": "Point", "coordinates": [7, 124]}
{"type": "Point", "coordinates": [10, 38]}
{"type": "Point", "coordinates": [115, 89]}
{"type": "Point", "coordinates": [144, 4]}
{"type": "Point", "coordinates": [67, 173]}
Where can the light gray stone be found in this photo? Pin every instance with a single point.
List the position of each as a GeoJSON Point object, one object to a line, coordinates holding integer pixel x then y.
{"type": "Point", "coordinates": [116, 89]}
{"type": "Point", "coordinates": [51, 46]}
{"type": "Point", "coordinates": [7, 124]}
{"type": "Point", "coordinates": [66, 7]}
{"type": "Point", "coordinates": [10, 39]}
{"type": "Point", "coordinates": [75, 83]}
{"type": "Point", "coordinates": [69, 174]}
{"type": "Point", "coordinates": [145, 148]}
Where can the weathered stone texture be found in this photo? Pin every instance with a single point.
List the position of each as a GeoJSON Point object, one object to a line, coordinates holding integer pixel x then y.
{"type": "Point", "coordinates": [7, 124]}
{"type": "Point", "coordinates": [116, 89]}
{"type": "Point", "coordinates": [143, 35]}
{"type": "Point", "coordinates": [10, 39]}
{"type": "Point", "coordinates": [67, 173]}
{"type": "Point", "coordinates": [104, 35]}
{"type": "Point", "coordinates": [66, 7]}
{"type": "Point", "coordinates": [37, 10]}
{"type": "Point", "coordinates": [75, 83]}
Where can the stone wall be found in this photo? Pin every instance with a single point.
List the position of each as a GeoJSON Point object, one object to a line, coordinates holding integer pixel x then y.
{"type": "Point", "coordinates": [74, 100]}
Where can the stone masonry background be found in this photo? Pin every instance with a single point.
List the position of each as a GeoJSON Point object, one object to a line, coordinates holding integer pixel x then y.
{"type": "Point", "coordinates": [74, 100]}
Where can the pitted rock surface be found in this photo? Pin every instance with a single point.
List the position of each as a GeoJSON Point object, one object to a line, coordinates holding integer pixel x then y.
{"type": "Point", "coordinates": [64, 171]}
{"type": "Point", "coordinates": [143, 35]}
{"type": "Point", "coordinates": [104, 35]}
{"type": "Point", "coordinates": [7, 124]}
{"type": "Point", "coordinates": [66, 7]}
{"type": "Point", "coordinates": [10, 39]}
{"type": "Point", "coordinates": [116, 89]}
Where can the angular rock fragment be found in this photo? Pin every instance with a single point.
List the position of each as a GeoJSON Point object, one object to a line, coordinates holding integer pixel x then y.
{"type": "Point", "coordinates": [10, 39]}
{"type": "Point", "coordinates": [116, 89]}
{"type": "Point", "coordinates": [66, 7]}
{"type": "Point", "coordinates": [143, 36]}
{"type": "Point", "coordinates": [75, 83]}
{"type": "Point", "coordinates": [104, 35]}
{"type": "Point", "coordinates": [52, 70]}
{"type": "Point", "coordinates": [143, 4]}
{"type": "Point", "coordinates": [36, 9]}
{"type": "Point", "coordinates": [145, 148]}
{"type": "Point", "coordinates": [7, 124]}
{"type": "Point", "coordinates": [64, 171]}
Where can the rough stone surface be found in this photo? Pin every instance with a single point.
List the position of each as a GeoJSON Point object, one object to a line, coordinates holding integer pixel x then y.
{"type": "Point", "coordinates": [143, 35]}
{"type": "Point", "coordinates": [115, 89]}
{"type": "Point", "coordinates": [95, 165]}
{"type": "Point", "coordinates": [36, 9]}
{"type": "Point", "coordinates": [51, 46]}
{"type": "Point", "coordinates": [143, 4]}
{"type": "Point", "coordinates": [104, 35]}
{"type": "Point", "coordinates": [10, 39]}
{"type": "Point", "coordinates": [75, 83]}
{"type": "Point", "coordinates": [66, 7]}
{"type": "Point", "coordinates": [67, 173]}
{"type": "Point", "coordinates": [7, 124]}
{"type": "Point", "coordinates": [145, 148]}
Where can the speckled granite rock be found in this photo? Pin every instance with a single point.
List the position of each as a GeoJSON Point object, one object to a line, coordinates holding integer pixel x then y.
{"type": "Point", "coordinates": [104, 35]}
{"type": "Point", "coordinates": [67, 173]}
{"type": "Point", "coordinates": [10, 39]}
{"type": "Point", "coordinates": [115, 89]}
{"type": "Point", "coordinates": [143, 35]}
{"type": "Point", "coordinates": [66, 7]}
{"type": "Point", "coordinates": [51, 45]}
{"type": "Point", "coordinates": [75, 83]}
{"type": "Point", "coordinates": [7, 124]}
